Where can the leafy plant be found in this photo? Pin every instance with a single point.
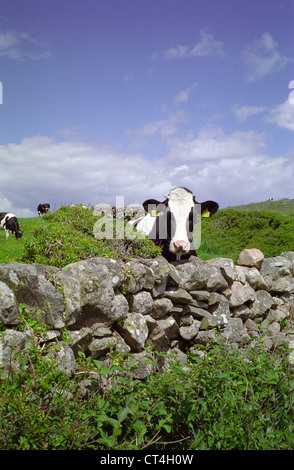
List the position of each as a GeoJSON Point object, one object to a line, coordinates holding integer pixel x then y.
{"type": "Point", "coordinates": [230, 231]}
{"type": "Point", "coordinates": [68, 237]}
{"type": "Point", "coordinates": [224, 399]}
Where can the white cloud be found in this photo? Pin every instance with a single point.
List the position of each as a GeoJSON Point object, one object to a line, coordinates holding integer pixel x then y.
{"type": "Point", "coordinates": [183, 95]}
{"type": "Point", "coordinates": [206, 46]}
{"type": "Point", "coordinates": [164, 127]}
{"type": "Point", "coordinates": [213, 144]}
{"type": "Point", "coordinates": [282, 115]}
{"type": "Point", "coordinates": [246, 111]}
{"type": "Point", "coordinates": [229, 168]}
{"type": "Point", "coordinates": [18, 45]}
{"type": "Point", "coordinates": [262, 57]}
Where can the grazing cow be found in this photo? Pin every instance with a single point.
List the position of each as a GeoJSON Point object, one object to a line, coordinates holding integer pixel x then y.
{"type": "Point", "coordinates": [43, 208]}
{"type": "Point", "coordinates": [170, 223]}
{"type": "Point", "coordinates": [9, 222]}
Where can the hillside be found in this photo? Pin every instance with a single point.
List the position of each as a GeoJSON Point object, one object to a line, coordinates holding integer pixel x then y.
{"type": "Point", "coordinates": [267, 225]}
{"type": "Point", "coordinates": [230, 231]}
{"type": "Point", "coordinates": [283, 206]}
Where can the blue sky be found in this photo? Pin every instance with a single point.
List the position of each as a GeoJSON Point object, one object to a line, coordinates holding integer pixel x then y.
{"type": "Point", "coordinates": [106, 98]}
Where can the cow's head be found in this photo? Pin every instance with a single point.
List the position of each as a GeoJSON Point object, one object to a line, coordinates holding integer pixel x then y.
{"type": "Point", "coordinates": [175, 218]}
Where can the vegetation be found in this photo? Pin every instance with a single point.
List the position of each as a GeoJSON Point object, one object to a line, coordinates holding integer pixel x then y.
{"type": "Point", "coordinates": [230, 231]}
{"type": "Point", "coordinates": [282, 206]}
{"type": "Point", "coordinates": [67, 236]}
{"type": "Point", "coordinates": [227, 399]}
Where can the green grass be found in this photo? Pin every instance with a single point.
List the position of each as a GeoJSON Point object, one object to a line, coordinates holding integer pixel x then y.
{"type": "Point", "coordinates": [67, 235]}
{"type": "Point", "coordinates": [12, 249]}
{"type": "Point", "coordinates": [230, 231]}
{"type": "Point", "coordinates": [282, 206]}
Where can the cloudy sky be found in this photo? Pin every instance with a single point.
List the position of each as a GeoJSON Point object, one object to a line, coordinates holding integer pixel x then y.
{"type": "Point", "coordinates": [107, 98]}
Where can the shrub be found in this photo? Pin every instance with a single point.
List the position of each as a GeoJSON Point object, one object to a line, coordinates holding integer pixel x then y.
{"type": "Point", "coordinates": [230, 231]}
{"type": "Point", "coordinates": [67, 236]}
{"type": "Point", "coordinates": [226, 399]}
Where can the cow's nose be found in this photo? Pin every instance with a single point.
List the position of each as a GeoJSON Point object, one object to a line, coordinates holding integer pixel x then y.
{"type": "Point", "coordinates": [180, 246]}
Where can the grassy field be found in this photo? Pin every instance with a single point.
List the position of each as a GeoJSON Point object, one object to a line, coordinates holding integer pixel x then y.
{"type": "Point", "coordinates": [282, 206]}
{"type": "Point", "coordinates": [11, 249]}
{"type": "Point", "coordinates": [267, 225]}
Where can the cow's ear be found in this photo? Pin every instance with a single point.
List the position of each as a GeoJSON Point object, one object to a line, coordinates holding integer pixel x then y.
{"type": "Point", "coordinates": [149, 204]}
{"type": "Point", "coordinates": [208, 208]}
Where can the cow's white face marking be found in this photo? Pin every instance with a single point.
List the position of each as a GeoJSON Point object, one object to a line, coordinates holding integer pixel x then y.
{"type": "Point", "coordinates": [180, 202]}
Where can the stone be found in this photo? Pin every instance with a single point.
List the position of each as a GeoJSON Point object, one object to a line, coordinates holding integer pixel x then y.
{"type": "Point", "coordinates": [9, 309]}
{"type": "Point", "coordinates": [136, 276]}
{"type": "Point", "coordinates": [251, 325]}
{"type": "Point", "coordinates": [178, 296]}
{"type": "Point", "coordinates": [134, 330]}
{"type": "Point", "coordinates": [242, 311]}
{"type": "Point", "coordinates": [141, 302]}
{"type": "Point", "coordinates": [194, 274]}
{"type": "Point", "coordinates": [197, 312]}
{"type": "Point", "coordinates": [158, 340]}
{"type": "Point", "coordinates": [189, 332]}
{"type": "Point", "coordinates": [80, 339]}
{"type": "Point", "coordinates": [262, 303]}
{"type": "Point", "coordinates": [253, 278]}
{"type": "Point", "coordinates": [117, 271]}
{"type": "Point", "coordinates": [240, 294]}
{"type": "Point", "coordinates": [226, 267]}
{"type": "Point", "coordinates": [216, 281]}
{"type": "Point", "coordinates": [101, 346]}
{"type": "Point", "coordinates": [32, 289]}
{"type": "Point", "coordinates": [233, 330]}
{"type": "Point", "coordinates": [206, 338]}
{"type": "Point", "coordinates": [161, 307]}
{"type": "Point", "coordinates": [169, 326]}
{"type": "Point", "coordinates": [88, 293]}
{"type": "Point", "coordinates": [121, 308]}
{"type": "Point", "coordinates": [63, 357]}
{"type": "Point", "coordinates": [251, 257]}
{"type": "Point", "coordinates": [277, 273]}
{"type": "Point", "coordinates": [11, 343]}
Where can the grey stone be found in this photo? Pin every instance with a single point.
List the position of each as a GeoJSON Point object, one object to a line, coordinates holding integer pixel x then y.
{"type": "Point", "coordinates": [240, 294]}
{"type": "Point", "coordinates": [32, 288]}
{"type": "Point", "coordinates": [262, 303]}
{"type": "Point", "coordinates": [141, 302]}
{"type": "Point", "coordinates": [9, 309]}
{"type": "Point", "coordinates": [161, 307]}
{"type": "Point", "coordinates": [178, 296]}
{"type": "Point", "coordinates": [189, 332]}
{"type": "Point", "coordinates": [277, 273]}
{"type": "Point", "coordinates": [226, 266]}
{"type": "Point", "coordinates": [88, 293]}
{"type": "Point", "coordinates": [134, 330]}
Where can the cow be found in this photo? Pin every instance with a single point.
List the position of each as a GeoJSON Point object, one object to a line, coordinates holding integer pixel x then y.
{"type": "Point", "coordinates": [170, 223]}
{"type": "Point", "coordinates": [9, 222]}
{"type": "Point", "coordinates": [43, 208]}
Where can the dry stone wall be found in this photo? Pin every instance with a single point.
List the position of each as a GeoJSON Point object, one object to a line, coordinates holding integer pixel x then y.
{"type": "Point", "coordinates": [106, 304]}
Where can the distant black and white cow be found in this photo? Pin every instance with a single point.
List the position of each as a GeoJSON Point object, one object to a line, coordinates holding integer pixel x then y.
{"type": "Point", "coordinates": [43, 208]}
{"type": "Point", "coordinates": [9, 222]}
{"type": "Point", "coordinates": [170, 223]}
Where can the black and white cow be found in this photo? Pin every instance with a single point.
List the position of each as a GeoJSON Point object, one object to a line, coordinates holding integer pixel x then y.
{"type": "Point", "coordinates": [9, 222]}
{"type": "Point", "coordinates": [170, 223]}
{"type": "Point", "coordinates": [43, 208]}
